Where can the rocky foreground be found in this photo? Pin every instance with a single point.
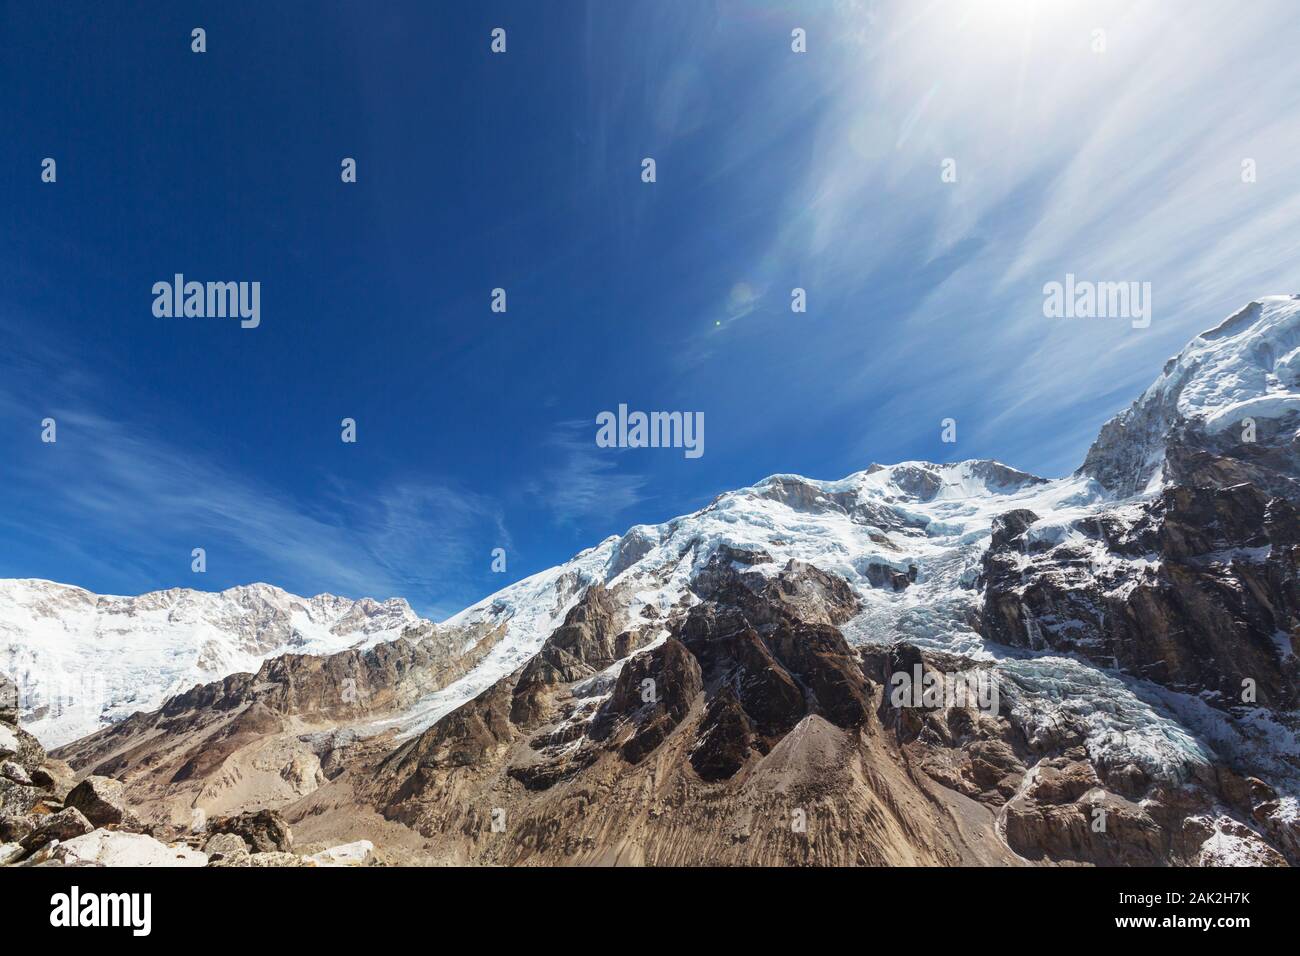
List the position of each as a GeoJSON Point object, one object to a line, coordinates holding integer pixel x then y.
{"type": "Point", "coordinates": [47, 818]}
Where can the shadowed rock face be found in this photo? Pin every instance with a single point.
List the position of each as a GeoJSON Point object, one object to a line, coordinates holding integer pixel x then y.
{"type": "Point", "coordinates": [763, 653]}
{"type": "Point", "coordinates": [799, 591]}
{"type": "Point", "coordinates": [769, 655]}
{"type": "Point", "coordinates": [752, 686]}
{"type": "Point", "coordinates": [1197, 589]}
{"type": "Point", "coordinates": [1271, 463]}
{"type": "Point", "coordinates": [653, 694]}
{"type": "Point", "coordinates": [586, 643]}
{"type": "Point", "coordinates": [472, 735]}
{"type": "Point", "coordinates": [760, 682]}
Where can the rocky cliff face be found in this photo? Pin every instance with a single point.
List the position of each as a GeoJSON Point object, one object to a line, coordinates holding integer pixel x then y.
{"type": "Point", "coordinates": [1197, 589]}
{"type": "Point", "coordinates": [749, 734]}
{"type": "Point", "coordinates": [754, 733]}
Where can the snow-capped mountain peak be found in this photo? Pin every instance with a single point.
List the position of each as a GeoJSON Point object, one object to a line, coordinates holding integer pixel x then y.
{"type": "Point", "coordinates": [1241, 378]}
{"type": "Point", "coordinates": [903, 536]}
{"type": "Point", "coordinates": [83, 660]}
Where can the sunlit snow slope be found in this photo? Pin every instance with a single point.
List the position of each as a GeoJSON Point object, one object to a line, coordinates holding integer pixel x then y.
{"type": "Point", "coordinates": [83, 660]}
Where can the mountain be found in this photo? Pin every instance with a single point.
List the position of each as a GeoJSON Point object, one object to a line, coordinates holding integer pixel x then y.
{"type": "Point", "coordinates": [86, 660]}
{"type": "Point", "coordinates": [921, 663]}
{"type": "Point", "coordinates": [1229, 401]}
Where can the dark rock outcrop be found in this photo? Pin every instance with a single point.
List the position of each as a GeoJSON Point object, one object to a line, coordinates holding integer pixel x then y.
{"type": "Point", "coordinates": [264, 831]}
{"type": "Point", "coordinates": [587, 642]}
{"type": "Point", "coordinates": [64, 825]}
{"type": "Point", "coordinates": [1200, 591]}
{"type": "Point", "coordinates": [652, 696]}
{"type": "Point", "coordinates": [8, 701]}
{"type": "Point", "coordinates": [102, 800]}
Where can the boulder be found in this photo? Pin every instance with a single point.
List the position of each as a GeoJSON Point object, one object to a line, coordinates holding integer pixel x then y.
{"type": "Point", "coordinates": [42, 856]}
{"type": "Point", "coordinates": [30, 753]}
{"type": "Point", "coordinates": [8, 742]}
{"type": "Point", "coordinates": [117, 848]}
{"type": "Point", "coordinates": [102, 800]}
{"type": "Point", "coordinates": [15, 773]}
{"type": "Point", "coordinates": [14, 826]}
{"type": "Point", "coordinates": [227, 847]}
{"type": "Point", "coordinates": [10, 853]}
{"type": "Point", "coordinates": [15, 798]}
{"type": "Point", "coordinates": [360, 853]}
{"type": "Point", "coordinates": [264, 831]}
{"type": "Point", "coordinates": [64, 825]}
{"type": "Point", "coordinates": [55, 775]}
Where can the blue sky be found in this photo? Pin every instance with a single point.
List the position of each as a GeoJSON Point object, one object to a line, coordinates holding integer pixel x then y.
{"type": "Point", "coordinates": [475, 429]}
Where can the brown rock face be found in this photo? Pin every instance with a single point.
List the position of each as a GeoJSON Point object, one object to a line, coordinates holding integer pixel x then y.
{"type": "Point", "coordinates": [471, 734]}
{"type": "Point", "coordinates": [264, 831]}
{"type": "Point", "coordinates": [101, 799]}
{"type": "Point", "coordinates": [587, 642]}
{"type": "Point", "coordinates": [799, 591]}
{"type": "Point", "coordinates": [1065, 814]}
{"type": "Point", "coordinates": [759, 685]}
{"type": "Point", "coordinates": [748, 735]}
{"type": "Point", "coordinates": [333, 687]}
{"type": "Point", "coordinates": [1196, 593]}
{"type": "Point", "coordinates": [727, 738]}
{"type": "Point", "coordinates": [653, 694]}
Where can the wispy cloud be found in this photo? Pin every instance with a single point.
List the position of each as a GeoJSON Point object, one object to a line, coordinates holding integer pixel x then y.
{"type": "Point", "coordinates": [130, 501]}
{"type": "Point", "coordinates": [585, 481]}
{"type": "Point", "coordinates": [1120, 164]}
